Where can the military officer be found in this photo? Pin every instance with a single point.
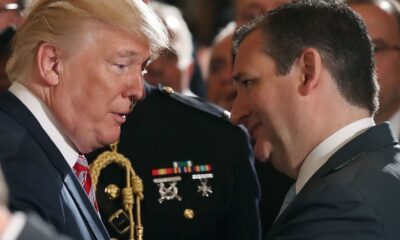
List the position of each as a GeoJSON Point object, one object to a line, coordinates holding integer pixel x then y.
{"type": "Point", "coordinates": [197, 170]}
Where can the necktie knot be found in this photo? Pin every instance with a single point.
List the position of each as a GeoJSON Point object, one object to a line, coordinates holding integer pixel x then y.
{"type": "Point", "coordinates": [81, 170]}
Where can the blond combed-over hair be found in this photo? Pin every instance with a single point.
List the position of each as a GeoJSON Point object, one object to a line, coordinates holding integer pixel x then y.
{"type": "Point", "coordinates": [58, 21]}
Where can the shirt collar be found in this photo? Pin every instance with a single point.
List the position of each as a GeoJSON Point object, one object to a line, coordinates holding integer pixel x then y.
{"type": "Point", "coordinates": [320, 155]}
{"type": "Point", "coordinates": [395, 123]}
{"type": "Point", "coordinates": [46, 120]}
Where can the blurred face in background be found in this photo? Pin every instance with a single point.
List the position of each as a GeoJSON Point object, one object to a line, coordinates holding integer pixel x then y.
{"type": "Point", "coordinates": [164, 70]}
{"type": "Point", "coordinates": [220, 89]}
{"type": "Point", "coordinates": [246, 10]}
{"type": "Point", "coordinates": [384, 30]}
{"type": "Point", "coordinates": [9, 14]}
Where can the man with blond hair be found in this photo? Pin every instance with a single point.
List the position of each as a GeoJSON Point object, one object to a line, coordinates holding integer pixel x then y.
{"type": "Point", "coordinates": [76, 68]}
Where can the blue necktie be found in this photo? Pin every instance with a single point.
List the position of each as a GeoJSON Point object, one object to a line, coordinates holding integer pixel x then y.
{"type": "Point", "coordinates": [289, 197]}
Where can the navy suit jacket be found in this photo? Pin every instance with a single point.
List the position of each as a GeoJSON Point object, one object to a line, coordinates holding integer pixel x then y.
{"type": "Point", "coordinates": [35, 229]}
{"type": "Point", "coordinates": [355, 195]}
{"type": "Point", "coordinates": [39, 178]}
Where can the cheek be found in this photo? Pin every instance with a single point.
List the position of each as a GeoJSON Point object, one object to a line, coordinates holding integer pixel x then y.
{"type": "Point", "coordinates": [259, 103]}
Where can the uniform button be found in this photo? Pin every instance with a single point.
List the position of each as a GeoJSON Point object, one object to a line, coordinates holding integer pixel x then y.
{"type": "Point", "coordinates": [169, 90]}
{"type": "Point", "coordinates": [188, 214]}
{"type": "Point", "coordinates": [112, 191]}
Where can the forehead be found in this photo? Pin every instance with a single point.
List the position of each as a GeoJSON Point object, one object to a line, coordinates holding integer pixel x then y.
{"type": "Point", "coordinates": [111, 40]}
{"type": "Point", "coordinates": [223, 47]}
{"type": "Point", "coordinates": [249, 51]}
{"type": "Point", "coordinates": [380, 24]}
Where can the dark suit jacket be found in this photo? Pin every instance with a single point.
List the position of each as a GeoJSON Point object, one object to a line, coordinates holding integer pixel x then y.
{"type": "Point", "coordinates": [355, 195]}
{"type": "Point", "coordinates": [39, 178]}
{"type": "Point", "coordinates": [36, 229]}
{"type": "Point", "coordinates": [168, 127]}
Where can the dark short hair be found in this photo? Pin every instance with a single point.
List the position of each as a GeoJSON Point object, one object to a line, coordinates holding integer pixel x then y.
{"type": "Point", "coordinates": [331, 28]}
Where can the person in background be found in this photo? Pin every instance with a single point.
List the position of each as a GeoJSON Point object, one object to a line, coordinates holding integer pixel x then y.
{"type": "Point", "coordinates": [246, 10]}
{"type": "Point", "coordinates": [76, 68]}
{"type": "Point", "coordinates": [10, 18]}
{"type": "Point", "coordinates": [174, 67]}
{"type": "Point", "coordinates": [5, 47]}
{"type": "Point", "coordinates": [382, 18]}
{"type": "Point", "coordinates": [305, 72]}
{"type": "Point", "coordinates": [10, 13]}
{"type": "Point", "coordinates": [220, 89]}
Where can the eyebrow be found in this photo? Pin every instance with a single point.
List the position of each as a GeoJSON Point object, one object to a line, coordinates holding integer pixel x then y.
{"type": "Point", "coordinates": [127, 53]}
{"type": "Point", "coordinates": [133, 54]}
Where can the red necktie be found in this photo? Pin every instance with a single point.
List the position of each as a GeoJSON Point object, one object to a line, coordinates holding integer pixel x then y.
{"type": "Point", "coordinates": [81, 170]}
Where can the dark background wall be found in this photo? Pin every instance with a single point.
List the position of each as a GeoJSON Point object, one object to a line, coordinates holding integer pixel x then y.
{"type": "Point", "coordinates": [204, 17]}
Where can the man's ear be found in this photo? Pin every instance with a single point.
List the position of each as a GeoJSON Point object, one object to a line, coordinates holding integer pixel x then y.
{"type": "Point", "coordinates": [49, 63]}
{"type": "Point", "coordinates": [310, 62]}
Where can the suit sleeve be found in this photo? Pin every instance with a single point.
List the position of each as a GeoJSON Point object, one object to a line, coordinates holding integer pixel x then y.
{"type": "Point", "coordinates": [244, 220]}
{"type": "Point", "coordinates": [331, 212]}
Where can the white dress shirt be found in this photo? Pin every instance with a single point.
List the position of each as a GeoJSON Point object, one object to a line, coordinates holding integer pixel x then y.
{"type": "Point", "coordinates": [320, 155]}
{"type": "Point", "coordinates": [46, 120]}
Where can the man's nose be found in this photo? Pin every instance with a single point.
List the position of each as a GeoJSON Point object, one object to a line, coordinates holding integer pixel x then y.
{"type": "Point", "coordinates": [135, 88]}
{"type": "Point", "coordinates": [239, 111]}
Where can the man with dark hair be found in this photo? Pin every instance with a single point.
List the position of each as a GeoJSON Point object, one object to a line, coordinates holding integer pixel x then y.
{"type": "Point", "coordinates": [305, 73]}
{"type": "Point", "coordinates": [247, 10]}
{"type": "Point", "coordinates": [382, 18]}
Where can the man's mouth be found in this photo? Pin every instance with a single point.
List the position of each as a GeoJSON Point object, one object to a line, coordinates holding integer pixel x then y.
{"type": "Point", "coordinates": [120, 117]}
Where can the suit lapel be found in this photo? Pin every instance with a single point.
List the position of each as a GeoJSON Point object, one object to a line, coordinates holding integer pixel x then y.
{"type": "Point", "coordinates": [17, 110]}
{"type": "Point", "coordinates": [373, 139]}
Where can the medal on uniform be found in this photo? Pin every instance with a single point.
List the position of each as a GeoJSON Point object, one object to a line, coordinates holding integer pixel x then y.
{"type": "Point", "coordinates": [167, 188]}
{"type": "Point", "coordinates": [204, 189]}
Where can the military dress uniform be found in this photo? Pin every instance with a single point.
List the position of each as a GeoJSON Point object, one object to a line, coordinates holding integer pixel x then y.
{"type": "Point", "coordinates": [197, 170]}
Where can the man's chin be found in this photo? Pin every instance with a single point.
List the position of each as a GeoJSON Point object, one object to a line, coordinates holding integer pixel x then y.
{"type": "Point", "coordinates": [262, 151]}
{"type": "Point", "coordinates": [110, 138]}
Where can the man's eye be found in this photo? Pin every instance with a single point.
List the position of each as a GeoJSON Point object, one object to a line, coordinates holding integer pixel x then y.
{"type": "Point", "coordinates": [246, 83]}
{"type": "Point", "coordinates": [144, 72]}
{"type": "Point", "coordinates": [120, 66]}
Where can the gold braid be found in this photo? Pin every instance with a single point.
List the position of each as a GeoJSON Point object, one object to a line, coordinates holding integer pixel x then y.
{"type": "Point", "coordinates": [131, 194]}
